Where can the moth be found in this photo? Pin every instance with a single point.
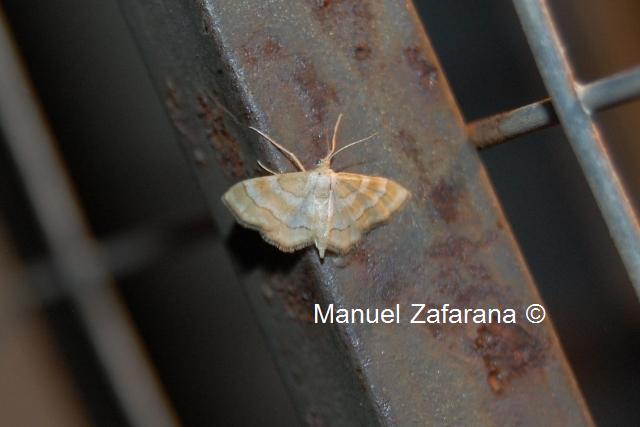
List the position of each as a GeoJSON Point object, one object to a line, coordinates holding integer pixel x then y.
{"type": "Point", "coordinates": [330, 209]}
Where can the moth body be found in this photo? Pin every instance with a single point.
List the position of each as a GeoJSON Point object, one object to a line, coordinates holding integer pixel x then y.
{"type": "Point", "coordinates": [325, 178]}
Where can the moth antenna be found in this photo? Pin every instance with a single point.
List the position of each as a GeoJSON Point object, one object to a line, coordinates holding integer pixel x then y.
{"type": "Point", "coordinates": [266, 168]}
{"type": "Point", "coordinates": [333, 139]}
{"type": "Point", "coordinates": [328, 144]}
{"type": "Point", "coordinates": [286, 152]}
{"type": "Point", "coordinates": [352, 144]}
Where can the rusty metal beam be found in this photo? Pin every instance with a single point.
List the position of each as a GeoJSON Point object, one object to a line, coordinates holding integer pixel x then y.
{"type": "Point", "coordinates": [289, 68]}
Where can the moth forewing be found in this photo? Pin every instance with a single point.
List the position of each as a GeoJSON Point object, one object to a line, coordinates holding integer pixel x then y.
{"type": "Point", "coordinates": [360, 203]}
{"type": "Point", "coordinates": [274, 205]}
{"type": "Point", "coordinates": [319, 206]}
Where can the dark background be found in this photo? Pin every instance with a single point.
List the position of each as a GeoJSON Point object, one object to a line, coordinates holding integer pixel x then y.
{"type": "Point", "coordinates": [130, 175]}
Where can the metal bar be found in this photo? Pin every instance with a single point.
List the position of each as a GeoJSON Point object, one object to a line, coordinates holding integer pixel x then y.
{"type": "Point", "coordinates": [131, 251]}
{"type": "Point", "coordinates": [78, 262]}
{"type": "Point", "coordinates": [582, 132]}
{"type": "Point", "coordinates": [505, 126]}
{"type": "Point", "coordinates": [289, 68]}
{"type": "Point", "coordinates": [596, 96]}
{"type": "Point", "coordinates": [36, 387]}
{"type": "Point", "coordinates": [610, 91]}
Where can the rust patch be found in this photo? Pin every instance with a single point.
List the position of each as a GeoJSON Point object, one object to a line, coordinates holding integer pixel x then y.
{"type": "Point", "coordinates": [465, 284]}
{"type": "Point", "coordinates": [349, 20]}
{"type": "Point", "coordinates": [343, 9]}
{"type": "Point", "coordinates": [427, 73]}
{"type": "Point", "coordinates": [261, 47]}
{"type": "Point", "coordinates": [264, 48]}
{"type": "Point", "coordinates": [462, 279]}
{"type": "Point", "coordinates": [226, 147]}
{"type": "Point", "coordinates": [479, 272]}
{"type": "Point", "coordinates": [315, 94]}
{"type": "Point", "coordinates": [408, 145]}
{"type": "Point", "coordinates": [298, 77]}
{"type": "Point", "coordinates": [271, 47]}
{"type": "Point", "coordinates": [362, 52]}
{"type": "Point", "coordinates": [386, 277]}
{"type": "Point", "coordinates": [173, 103]}
{"type": "Point", "coordinates": [362, 382]}
{"type": "Point", "coordinates": [445, 198]}
{"type": "Point", "coordinates": [380, 274]}
{"type": "Point", "coordinates": [508, 352]}
{"type": "Point", "coordinates": [410, 149]}
{"type": "Point", "coordinates": [298, 301]}
{"type": "Point", "coordinates": [296, 292]}
{"type": "Point", "coordinates": [459, 247]}
{"type": "Point", "coordinates": [437, 330]}
{"type": "Point", "coordinates": [358, 257]}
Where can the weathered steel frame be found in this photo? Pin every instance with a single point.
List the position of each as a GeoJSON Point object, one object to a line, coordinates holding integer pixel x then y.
{"type": "Point", "coordinates": [289, 68]}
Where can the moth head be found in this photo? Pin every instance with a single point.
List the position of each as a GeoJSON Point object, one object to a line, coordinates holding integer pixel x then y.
{"type": "Point", "coordinates": [324, 162]}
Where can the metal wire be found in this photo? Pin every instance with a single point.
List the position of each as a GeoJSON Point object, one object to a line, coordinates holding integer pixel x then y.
{"type": "Point", "coordinates": [510, 124]}
{"type": "Point", "coordinates": [610, 91]}
{"type": "Point", "coordinates": [584, 136]}
{"type": "Point", "coordinates": [596, 96]}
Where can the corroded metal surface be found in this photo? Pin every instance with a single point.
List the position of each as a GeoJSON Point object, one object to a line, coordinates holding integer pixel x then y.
{"type": "Point", "coordinates": [502, 127]}
{"type": "Point", "coordinates": [289, 68]}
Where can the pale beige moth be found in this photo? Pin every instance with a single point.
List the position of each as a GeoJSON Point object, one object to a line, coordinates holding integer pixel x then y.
{"type": "Point", "coordinates": [319, 206]}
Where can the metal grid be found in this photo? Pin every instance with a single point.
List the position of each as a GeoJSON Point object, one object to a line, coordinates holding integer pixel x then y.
{"type": "Point", "coordinates": [78, 264]}
{"type": "Point", "coordinates": [344, 360]}
{"type": "Point", "coordinates": [574, 104]}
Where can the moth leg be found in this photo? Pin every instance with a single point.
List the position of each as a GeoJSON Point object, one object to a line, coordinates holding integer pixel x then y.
{"type": "Point", "coordinates": [286, 152]}
{"type": "Point", "coordinates": [266, 168]}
